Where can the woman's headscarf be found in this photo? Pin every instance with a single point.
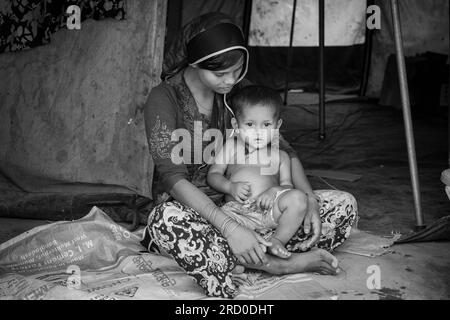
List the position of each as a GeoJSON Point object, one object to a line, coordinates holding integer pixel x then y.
{"type": "Point", "coordinates": [204, 37]}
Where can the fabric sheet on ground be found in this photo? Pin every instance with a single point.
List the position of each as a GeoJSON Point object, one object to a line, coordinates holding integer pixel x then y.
{"type": "Point", "coordinates": [95, 258]}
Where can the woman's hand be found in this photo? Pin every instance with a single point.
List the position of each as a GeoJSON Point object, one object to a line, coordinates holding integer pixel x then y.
{"type": "Point", "coordinates": [240, 190]}
{"type": "Point", "coordinates": [312, 223]}
{"type": "Point", "coordinates": [266, 199]}
{"type": "Point", "coordinates": [248, 246]}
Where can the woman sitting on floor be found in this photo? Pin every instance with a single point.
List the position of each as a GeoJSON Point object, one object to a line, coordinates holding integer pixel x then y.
{"type": "Point", "coordinates": [202, 66]}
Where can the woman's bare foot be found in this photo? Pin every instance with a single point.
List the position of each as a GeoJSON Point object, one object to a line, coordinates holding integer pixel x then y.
{"type": "Point", "coordinates": [277, 249]}
{"type": "Point", "coordinates": [316, 260]}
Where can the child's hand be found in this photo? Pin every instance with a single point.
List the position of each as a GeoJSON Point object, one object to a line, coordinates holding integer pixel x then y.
{"type": "Point", "coordinates": [240, 191]}
{"type": "Point", "coordinates": [266, 199]}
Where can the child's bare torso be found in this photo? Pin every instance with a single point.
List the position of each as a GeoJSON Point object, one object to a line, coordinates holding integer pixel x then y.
{"type": "Point", "coordinates": [252, 172]}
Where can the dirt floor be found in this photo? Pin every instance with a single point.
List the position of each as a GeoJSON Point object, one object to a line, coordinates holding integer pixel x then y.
{"type": "Point", "coordinates": [369, 140]}
{"type": "Point", "coordinates": [411, 271]}
{"type": "Point", "coordinates": [366, 139]}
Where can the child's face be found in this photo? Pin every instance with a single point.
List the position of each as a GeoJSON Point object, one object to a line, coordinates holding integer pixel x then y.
{"type": "Point", "coordinates": [256, 125]}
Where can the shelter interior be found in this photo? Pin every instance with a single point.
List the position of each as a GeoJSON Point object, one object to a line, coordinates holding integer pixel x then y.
{"type": "Point", "coordinates": [54, 169]}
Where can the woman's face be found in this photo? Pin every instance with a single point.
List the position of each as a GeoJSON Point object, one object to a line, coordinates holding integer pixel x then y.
{"type": "Point", "coordinates": [221, 81]}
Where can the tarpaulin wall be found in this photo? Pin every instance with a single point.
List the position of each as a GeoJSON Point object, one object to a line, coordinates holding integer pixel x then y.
{"type": "Point", "coordinates": [344, 40]}
{"type": "Point", "coordinates": [270, 23]}
{"type": "Point", "coordinates": [72, 109]}
{"type": "Point", "coordinates": [180, 12]}
{"type": "Point", "coordinates": [425, 27]}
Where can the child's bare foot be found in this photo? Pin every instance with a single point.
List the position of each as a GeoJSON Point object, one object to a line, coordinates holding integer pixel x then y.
{"type": "Point", "coordinates": [238, 269]}
{"type": "Point", "coordinates": [304, 246]}
{"type": "Point", "coordinates": [277, 249]}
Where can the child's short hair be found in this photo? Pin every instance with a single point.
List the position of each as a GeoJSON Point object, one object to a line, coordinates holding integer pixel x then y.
{"type": "Point", "coordinates": [255, 94]}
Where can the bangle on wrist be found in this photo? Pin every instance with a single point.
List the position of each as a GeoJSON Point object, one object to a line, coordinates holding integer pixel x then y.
{"type": "Point", "coordinates": [212, 213]}
{"type": "Point", "coordinates": [214, 216]}
{"type": "Point", "coordinates": [233, 227]}
{"type": "Point", "coordinates": [223, 226]}
{"type": "Point", "coordinates": [228, 226]}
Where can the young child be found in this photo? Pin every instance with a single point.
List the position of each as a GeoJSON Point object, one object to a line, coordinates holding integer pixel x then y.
{"type": "Point", "coordinates": [256, 198]}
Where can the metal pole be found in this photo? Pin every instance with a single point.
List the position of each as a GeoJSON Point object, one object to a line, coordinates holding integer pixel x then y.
{"type": "Point", "coordinates": [289, 56]}
{"type": "Point", "coordinates": [248, 5]}
{"type": "Point", "coordinates": [174, 21]}
{"type": "Point", "coordinates": [367, 57]}
{"type": "Point", "coordinates": [407, 114]}
{"type": "Point", "coordinates": [321, 69]}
